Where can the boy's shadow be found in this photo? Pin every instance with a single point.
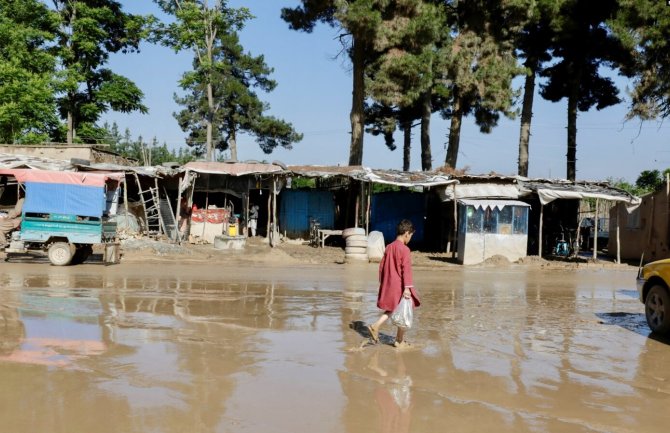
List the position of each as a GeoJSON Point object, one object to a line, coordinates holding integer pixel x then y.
{"type": "Point", "coordinates": [361, 328]}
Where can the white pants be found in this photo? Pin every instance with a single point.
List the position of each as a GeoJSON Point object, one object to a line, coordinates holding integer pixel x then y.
{"type": "Point", "coordinates": [252, 226]}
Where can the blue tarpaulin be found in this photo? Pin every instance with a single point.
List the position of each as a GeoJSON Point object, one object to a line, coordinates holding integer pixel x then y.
{"type": "Point", "coordinates": [66, 199]}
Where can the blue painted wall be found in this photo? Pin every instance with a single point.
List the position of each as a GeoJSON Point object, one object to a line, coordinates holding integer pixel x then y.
{"type": "Point", "coordinates": [388, 208]}
{"type": "Point", "coordinates": [297, 206]}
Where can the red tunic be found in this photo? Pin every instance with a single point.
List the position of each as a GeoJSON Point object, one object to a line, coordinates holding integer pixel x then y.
{"type": "Point", "coordinates": [395, 273]}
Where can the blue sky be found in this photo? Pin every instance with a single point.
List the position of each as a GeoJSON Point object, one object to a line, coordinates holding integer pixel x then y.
{"type": "Point", "coordinates": [314, 94]}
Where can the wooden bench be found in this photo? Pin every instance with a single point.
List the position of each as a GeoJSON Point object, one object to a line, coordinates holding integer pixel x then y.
{"type": "Point", "coordinates": [324, 233]}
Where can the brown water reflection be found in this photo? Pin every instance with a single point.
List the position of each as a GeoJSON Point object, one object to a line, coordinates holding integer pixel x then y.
{"type": "Point", "coordinates": [137, 349]}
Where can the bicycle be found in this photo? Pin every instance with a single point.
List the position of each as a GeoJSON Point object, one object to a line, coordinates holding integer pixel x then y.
{"type": "Point", "coordinates": [566, 248]}
{"type": "Point", "coordinates": [314, 227]}
{"type": "Point", "coordinates": [562, 247]}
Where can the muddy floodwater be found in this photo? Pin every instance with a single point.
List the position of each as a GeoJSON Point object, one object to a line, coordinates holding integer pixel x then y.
{"type": "Point", "coordinates": [272, 348]}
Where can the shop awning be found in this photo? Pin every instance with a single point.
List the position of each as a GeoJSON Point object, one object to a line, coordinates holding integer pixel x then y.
{"type": "Point", "coordinates": [492, 204]}
{"type": "Point", "coordinates": [62, 177]}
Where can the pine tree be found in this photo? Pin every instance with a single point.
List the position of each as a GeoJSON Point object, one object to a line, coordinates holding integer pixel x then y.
{"type": "Point", "coordinates": [358, 19]}
{"type": "Point", "coordinates": [584, 43]}
{"type": "Point", "coordinates": [479, 65]}
{"type": "Point", "coordinates": [402, 75]}
{"type": "Point", "coordinates": [533, 43]}
{"type": "Point", "coordinates": [643, 26]}
{"type": "Point", "coordinates": [220, 101]}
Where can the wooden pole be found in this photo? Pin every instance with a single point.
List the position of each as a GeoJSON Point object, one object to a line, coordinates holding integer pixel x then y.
{"type": "Point", "coordinates": [367, 212]}
{"type": "Point", "coordinates": [540, 234]}
{"type": "Point", "coordinates": [177, 210]}
{"type": "Point", "coordinates": [357, 205]}
{"type": "Point", "coordinates": [595, 232]}
{"type": "Point", "coordinates": [125, 194]}
{"type": "Point", "coordinates": [618, 239]}
{"type": "Point", "coordinates": [267, 232]}
{"type": "Point", "coordinates": [455, 243]}
{"type": "Point", "coordinates": [275, 228]}
{"type": "Point", "coordinates": [246, 213]}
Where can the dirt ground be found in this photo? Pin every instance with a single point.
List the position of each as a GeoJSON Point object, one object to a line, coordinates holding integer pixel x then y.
{"type": "Point", "coordinates": [296, 252]}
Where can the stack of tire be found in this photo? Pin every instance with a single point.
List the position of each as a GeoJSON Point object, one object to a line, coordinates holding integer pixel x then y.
{"type": "Point", "coordinates": [356, 249]}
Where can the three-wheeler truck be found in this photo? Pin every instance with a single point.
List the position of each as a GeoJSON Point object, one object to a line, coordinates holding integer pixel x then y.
{"type": "Point", "coordinates": [65, 214]}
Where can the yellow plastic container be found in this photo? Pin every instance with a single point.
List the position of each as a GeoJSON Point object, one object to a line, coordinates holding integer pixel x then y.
{"type": "Point", "coordinates": [232, 229]}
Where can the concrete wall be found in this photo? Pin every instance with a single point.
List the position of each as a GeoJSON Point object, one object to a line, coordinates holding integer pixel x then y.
{"type": "Point", "coordinates": [476, 247]}
{"type": "Point", "coordinates": [66, 153]}
{"type": "Point", "coordinates": [643, 230]}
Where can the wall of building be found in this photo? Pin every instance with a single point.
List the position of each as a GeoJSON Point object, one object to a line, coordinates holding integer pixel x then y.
{"type": "Point", "coordinates": [67, 153]}
{"type": "Point", "coordinates": [474, 248]}
{"type": "Point", "coordinates": [643, 230]}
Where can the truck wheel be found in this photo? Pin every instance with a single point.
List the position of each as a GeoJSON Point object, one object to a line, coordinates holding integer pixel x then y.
{"type": "Point", "coordinates": [657, 310]}
{"type": "Point", "coordinates": [60, 253]}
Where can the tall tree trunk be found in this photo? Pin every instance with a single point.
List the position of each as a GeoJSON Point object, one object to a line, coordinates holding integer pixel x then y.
{"type": "Point", "coordinates": [71, 96]}
{"type": "Point", "coordinates": [407, 144]}
{"type": "Point", "coordinates": [454, 133]}
{"type": "Point", "coordinates": [70, 127]}
{"type": "Point", "coordinates": [357, 104]}
{"type": "Point", "coordinates": [426, 111]}
{"type": "Point", "coordinates": [571, 156]}
{"type": "Point", "coordinates": [210, 116]}
{"type": "Point", "coordinates": [232, 144]}
{"type": "Point", "coordinates": [526, 117]}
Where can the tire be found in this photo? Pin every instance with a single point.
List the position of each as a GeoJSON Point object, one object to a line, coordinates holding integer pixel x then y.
{"type": "Point", "coordinates": [657, 310]}
{"type": "Point", "coordinates": [357, 238]}
{"type": "Point", "coordinates": [356, 250]}
{"type": "Point", "coordinates": [61, 253]}
{"type": "Point", "coordinates": [359, 244]}
{"type": "Point", "coordinates": [356, 258]}
{"type": "Point", "coordinates": [352, 231]}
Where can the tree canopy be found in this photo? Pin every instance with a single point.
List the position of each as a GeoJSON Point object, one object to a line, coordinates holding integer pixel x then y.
{"type": "Point", "coordinates": [220, 100]}
{"type": "Point", "coordinates": [27, 103]}
{"type": "Point", "coordinates": [89, 31]}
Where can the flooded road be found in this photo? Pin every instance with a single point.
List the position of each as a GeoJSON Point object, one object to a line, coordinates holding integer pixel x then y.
{"type": "Point", "coordinates": [169, 348]}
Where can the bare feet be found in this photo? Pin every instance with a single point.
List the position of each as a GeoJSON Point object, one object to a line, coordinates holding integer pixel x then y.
{"type": "Point", "coordinates": [374, 334]}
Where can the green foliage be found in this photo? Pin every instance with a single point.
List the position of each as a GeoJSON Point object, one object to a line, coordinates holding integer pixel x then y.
{"type": "Point", "coordinates": [643, 27]}
{"type": "Point", "coordinates": [648, 181]}
{"type": "Point", "coordinates": [303, 183]}
{"type": "Point", "coordinates": [27, 106]}
{"type": "Point", "coordinates": [584, 44]}
{"type": "Point", "coordinates": [147, 154]}
{"type": "Point", "coordinates": [89, 31]}
{"type": "Point", "coordinates": [220, 100]}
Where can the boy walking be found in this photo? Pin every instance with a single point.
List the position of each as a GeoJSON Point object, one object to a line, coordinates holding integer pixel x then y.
{"type": "Point", "coordinates": [395, 281]}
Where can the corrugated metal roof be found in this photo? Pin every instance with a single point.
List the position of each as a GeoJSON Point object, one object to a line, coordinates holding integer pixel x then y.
{"type": "Point", "coordinates": [366, 174]}
{"type": "Point", "coordinates": [232, 168]}
{"type": "Point", "coordinates": [9, 161]}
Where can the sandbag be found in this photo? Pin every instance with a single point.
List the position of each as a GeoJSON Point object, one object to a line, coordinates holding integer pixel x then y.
{"type": "Point", "coordinates": [376, 246]}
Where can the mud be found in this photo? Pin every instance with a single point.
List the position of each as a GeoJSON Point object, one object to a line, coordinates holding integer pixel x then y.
{"type": "Point", "coordinates": [279, 345]}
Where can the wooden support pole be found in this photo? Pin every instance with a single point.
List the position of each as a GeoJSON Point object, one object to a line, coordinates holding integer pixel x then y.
{"type": "Point", "coordinates": [267, 232]}
{"type": "Point", "coordinates": [177, 210]}
{"type": "Point", "coordinates": [540, 233]}
{"type": "Point", "coordinates": [357, 205]}
{"type": "Point", "coordinates": [125, 194]}
{"type": "Point", "coordinates": [595, 232]}
{"type": "Point", "coordinates": [455, 242]}
{"type": "Point", "coordinates": [618, 239]}
{"type": "Point", "coordinates": [275, 227]}
{"type": "Point", "coordinates": [367, 212]}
